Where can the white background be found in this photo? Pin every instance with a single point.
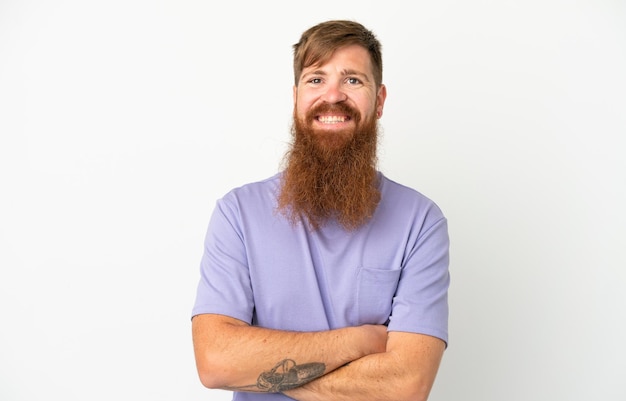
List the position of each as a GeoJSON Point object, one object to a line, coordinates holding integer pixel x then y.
{"type": "Point", "coordinates": [121, 123]}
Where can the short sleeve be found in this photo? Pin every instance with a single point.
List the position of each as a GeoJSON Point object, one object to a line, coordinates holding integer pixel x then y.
{"type": "Point", "coordinates": [224, 286]}
{"type": "Point", "coordinates": [420, 304]}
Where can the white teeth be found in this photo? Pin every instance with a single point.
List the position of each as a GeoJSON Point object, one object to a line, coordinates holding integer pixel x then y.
{"type": "Point", "coordinates": [331, 119]}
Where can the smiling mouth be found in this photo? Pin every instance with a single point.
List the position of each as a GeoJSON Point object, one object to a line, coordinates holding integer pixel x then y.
{"type": "Point", "coordinates": [332, 119]}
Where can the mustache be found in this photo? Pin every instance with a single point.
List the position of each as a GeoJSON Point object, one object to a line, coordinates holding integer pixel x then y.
{"type": "Point", "coordinates": [338, 108]}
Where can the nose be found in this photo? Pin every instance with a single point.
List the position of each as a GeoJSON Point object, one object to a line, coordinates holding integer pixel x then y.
{"type": "Point", "coordinates": [334, 94]}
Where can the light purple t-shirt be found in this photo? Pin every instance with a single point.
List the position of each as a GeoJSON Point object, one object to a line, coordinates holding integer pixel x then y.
{"type": "Point", "coordinates": [259, 268]}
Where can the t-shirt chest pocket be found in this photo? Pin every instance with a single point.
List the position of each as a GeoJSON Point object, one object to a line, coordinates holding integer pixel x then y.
{"type": "Point", "coordinates": [375, 291]}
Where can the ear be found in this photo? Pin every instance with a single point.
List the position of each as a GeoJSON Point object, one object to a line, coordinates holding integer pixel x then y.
{"type": "Point", "coordinates": [380, 100]}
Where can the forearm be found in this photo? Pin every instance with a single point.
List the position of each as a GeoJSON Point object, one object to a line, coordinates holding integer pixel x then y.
{"type": "Point", "coordinates": [359, 380]}
{"type": "Point", "coordinates": [234, 356]}
{"type": "Point", "coordinates": [398, 374]}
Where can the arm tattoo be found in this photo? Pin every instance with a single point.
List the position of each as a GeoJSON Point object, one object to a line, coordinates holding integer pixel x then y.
{"type": "Point", "coordinates": [286, 375]}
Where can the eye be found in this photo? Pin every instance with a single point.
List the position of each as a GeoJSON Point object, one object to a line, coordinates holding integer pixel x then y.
{"type": "Point", "coordinates": [353, 81]}
{"type": "Point", "coordinates": [315, 80]}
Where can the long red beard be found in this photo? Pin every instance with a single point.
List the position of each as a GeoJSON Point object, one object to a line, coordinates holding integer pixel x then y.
{"type": "Point", "coordinates": [331, 175]}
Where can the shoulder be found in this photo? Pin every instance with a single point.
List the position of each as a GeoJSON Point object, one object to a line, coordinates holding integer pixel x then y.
{"type": "Point", "coordinates": [254, 201]}
{"type": "Point", "coordinates": [254, 191]}
{"type": "Point", "coordinates": [399, 196]}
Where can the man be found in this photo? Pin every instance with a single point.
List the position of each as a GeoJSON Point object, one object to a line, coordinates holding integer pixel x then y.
{"type": "Point", "coordinates": [327, 281]}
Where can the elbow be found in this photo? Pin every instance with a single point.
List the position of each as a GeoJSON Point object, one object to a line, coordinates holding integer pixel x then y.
{"type": "Point", "coordinates": [419, 395]}
{"type": "Point", "coordinates": [208, 379]}
{"type": "Point", "coordinates": [412, 389]}
{"type": "Point", "coordinates": [212, 361]}
{"type": "Point", "coordinates": [213, 377]}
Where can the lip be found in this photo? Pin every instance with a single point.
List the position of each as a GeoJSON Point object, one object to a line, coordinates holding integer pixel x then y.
{"type": "Point", "coordinates": [332, 119]}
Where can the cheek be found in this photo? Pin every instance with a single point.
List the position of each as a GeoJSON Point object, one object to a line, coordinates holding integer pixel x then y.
{"type": "Point", "coordinates": [367, 110]}
{"type": "Point", "coordinates": [302, 106]}
{"type": "Point", "coordinates": [365, 104]}
{"type": "Point", "coordinates": [300, 109]}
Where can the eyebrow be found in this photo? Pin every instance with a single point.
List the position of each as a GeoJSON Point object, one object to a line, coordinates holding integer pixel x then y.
{"type": "Point", "coordinates": [344, 73]}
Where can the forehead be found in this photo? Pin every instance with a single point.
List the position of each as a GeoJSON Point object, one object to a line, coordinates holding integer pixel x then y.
{"type": "Point", "coordinates": [352, 57]}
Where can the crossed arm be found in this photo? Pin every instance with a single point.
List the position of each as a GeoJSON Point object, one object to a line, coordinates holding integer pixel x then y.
{"type": "Point", "coordinates": [351, 363]}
